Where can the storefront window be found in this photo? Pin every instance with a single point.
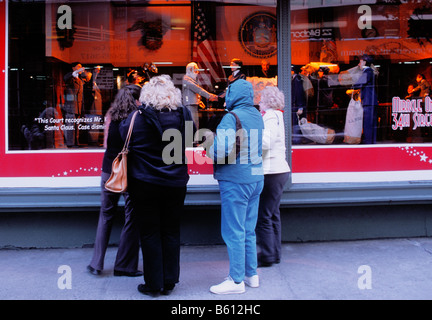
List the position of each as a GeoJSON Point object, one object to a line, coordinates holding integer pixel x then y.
{"type": "Point", "coordinates": [386, 101]}
{"type": "Point", "coordinates": [67, 62]}
{"type": "Point", "coordinates": [340, 122]}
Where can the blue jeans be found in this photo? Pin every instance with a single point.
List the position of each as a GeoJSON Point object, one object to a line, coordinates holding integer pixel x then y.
{"type": "Point", "coordinates": [239, 216]}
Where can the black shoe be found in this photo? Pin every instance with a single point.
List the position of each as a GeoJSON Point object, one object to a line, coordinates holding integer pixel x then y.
{"type": "Point", "coordinates": [147, 291]}
{"type": "Point", "coordinates": [168, 289]}
{"type": "Point", "coordinates": [93, 271]}
{"type": "Point", "coordinates": [262, 264]}
{"type": "Point", "coordinates": [119, 273]}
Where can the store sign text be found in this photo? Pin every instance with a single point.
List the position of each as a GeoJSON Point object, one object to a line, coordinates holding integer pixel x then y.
{"type": "Point", "coordinates": [64, 124]}
{"type": "Point", "coordinates": [405, 110]}
{"type": "Point", "coordinates": [313, 34]}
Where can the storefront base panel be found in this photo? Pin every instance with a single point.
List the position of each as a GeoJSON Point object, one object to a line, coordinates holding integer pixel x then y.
{"type": "Point", "coordinates": [201, 225]}
{"type": "Point", "coordinates": [356, 223]}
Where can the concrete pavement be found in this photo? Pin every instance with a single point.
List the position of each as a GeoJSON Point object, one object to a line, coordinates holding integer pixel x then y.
{"type": "Point", "coordinates": [356, 270]}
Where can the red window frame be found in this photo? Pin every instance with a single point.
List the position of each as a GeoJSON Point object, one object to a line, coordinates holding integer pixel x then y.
{"type": "Point", "coordinates": [325, 159]}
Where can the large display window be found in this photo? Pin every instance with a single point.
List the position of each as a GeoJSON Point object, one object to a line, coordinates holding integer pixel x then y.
{"type": "Point", "coordinates": [68, 61]}
{"type": "Point", "coordinates": [64, 65]}
{"type": "Point", "coordinates": [386, 100]}
{"type": "Point", "coordinates": [360, 90]}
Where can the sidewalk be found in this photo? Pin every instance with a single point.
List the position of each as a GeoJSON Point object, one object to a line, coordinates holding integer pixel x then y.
{"type": "Point", "coordinates": [355, 270]}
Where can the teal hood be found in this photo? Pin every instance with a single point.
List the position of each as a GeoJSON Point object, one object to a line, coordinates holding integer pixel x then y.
{"type": "Point", "coordinates": [240, 93]}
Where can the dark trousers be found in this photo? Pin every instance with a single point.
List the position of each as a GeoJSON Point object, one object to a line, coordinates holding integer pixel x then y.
{"type": "Point", "coordinates": [268, 228]}
{"type": "Point", "coordinates": [369, 124]}
{"type": "Point", "coordinates": [128, 250]}
{"type": "Point", "coordinates": [158, 210]}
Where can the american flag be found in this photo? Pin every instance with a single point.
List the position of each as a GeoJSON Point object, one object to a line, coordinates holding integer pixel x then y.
{"type": "Point", "coordinates": [203, 51]}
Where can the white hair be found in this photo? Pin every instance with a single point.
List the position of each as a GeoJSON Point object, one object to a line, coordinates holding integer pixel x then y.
{"type": "Point", "coordinates": [272, 98]}
{"type": "Point", "coordinates": [160, 93]}
{"type": "Point", "coordinates": [190, 70]}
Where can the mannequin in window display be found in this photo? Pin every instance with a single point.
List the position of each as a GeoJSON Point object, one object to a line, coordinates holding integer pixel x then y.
{"type": "Point", "coordinates": [236, 73]}
{"type": "Point", "coordinates": [308, 88]}
{"type": "Point", "coordinates": [410, 92]}
{"type": "Point", "coordinates": [423, 87]}
{"type": "Point", "coordinates": [298, 103]}
{"type": "Point", "coordinates": [192, 92]}
{"type": "Point", "coordinates": [135, 79]}
{"type": "Point", "coordinates": [324, 94]}
{"type": "Point", "coordinates": [35, 135]}
{"type": "Point", "coordinates": [73, 107]}
{"type": "Point", "coordinates": [420, 91]}
{"type": "Point", "coordinates": [236, 69]}
{"type": "Point", "coordinates": [92, 94]}
{"type": "Point", "coordinates": [93, 105]}
{"type": "Point", "coordinates": [366, 84]}
{"type": "Point", "coordinates": [266, 70]}
{"type": "Point", "coordinates": [149, 70]}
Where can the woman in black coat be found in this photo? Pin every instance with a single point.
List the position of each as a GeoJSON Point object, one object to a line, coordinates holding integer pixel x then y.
{"type": "Point", "coordinates": [157, 179]}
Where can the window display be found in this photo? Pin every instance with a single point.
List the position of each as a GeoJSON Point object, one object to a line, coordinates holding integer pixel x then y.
{"type": "Point", "coordinates": [368, 53]}
{"type": "Point", "coordinates": [360, 76]}
{"type": "Point", "coordinates": [84, 52]}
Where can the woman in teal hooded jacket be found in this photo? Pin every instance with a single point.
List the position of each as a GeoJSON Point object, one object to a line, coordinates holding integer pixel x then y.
{"type": "Point", "coordinates": [240, 183]}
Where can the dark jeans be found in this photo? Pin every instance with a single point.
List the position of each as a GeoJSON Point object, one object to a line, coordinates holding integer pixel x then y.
{"type": "Point", "coordinates": [369, 124]}
{"type": "Point", "coordinates": [128, 250]}
{"type": "Point", "coordinates": [268, 228]}
{"type": "Point", "coordinates": [158, 210]}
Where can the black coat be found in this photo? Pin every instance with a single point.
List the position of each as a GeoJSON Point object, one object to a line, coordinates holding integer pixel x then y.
{"type": "Point", "coordinates": [150, 158]}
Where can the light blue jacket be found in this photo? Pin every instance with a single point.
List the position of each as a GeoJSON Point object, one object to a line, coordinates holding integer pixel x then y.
{"type": "Point", "coordinates": [248, 165]}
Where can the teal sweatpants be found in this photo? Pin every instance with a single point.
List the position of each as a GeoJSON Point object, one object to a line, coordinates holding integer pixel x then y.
{"type": "Point", "coordinates": [239, 203]}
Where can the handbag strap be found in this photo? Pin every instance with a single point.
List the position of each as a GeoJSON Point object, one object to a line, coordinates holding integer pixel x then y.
{"type": "Point", "coordinates": [129, 134]}
{"type": "Point", "coordinates": [238, 123]}
{"type": "Point", "coordinates": [239, 139]}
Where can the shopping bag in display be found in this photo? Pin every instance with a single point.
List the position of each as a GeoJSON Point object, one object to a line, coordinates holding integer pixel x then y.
{"type": "Point", "coordinates": [353, 122]}
{"type": "Point", "coordinates": [315, 132]}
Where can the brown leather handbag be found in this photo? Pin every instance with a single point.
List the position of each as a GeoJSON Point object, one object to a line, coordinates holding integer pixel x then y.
{"type": "Point", "coordinates": [117, 182]}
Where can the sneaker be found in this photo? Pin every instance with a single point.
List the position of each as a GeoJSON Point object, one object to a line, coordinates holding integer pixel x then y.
{"type": "Point", "coordinates": [228, 287]}
{"type": "Point", "coordinates": [252, 282]}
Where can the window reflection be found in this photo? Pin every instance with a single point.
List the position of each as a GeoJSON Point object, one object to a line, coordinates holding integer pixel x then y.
{"type": "Point", "coordinates": [112, 38]}
{"type": "Point", "coordinates": [345, 101]}
{"type": "Point", "coordinates": [67, 64]}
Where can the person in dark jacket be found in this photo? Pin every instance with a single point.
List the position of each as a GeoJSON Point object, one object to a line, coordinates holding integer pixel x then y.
{"type": "Point", "coordinates": [236, 74]}
{"type": "Point", "coordinates": [366, 84]}
{"type": "Point", "coordinates": [73, 107]}
{"type": "Point", "coordinates": [157, 179]}
{"type": "Point", "coordinates": [298, 109]}
{"type": "Point", "coordinates": [126, 262]}
{"type": "Point", "coordinates": [236, 69]}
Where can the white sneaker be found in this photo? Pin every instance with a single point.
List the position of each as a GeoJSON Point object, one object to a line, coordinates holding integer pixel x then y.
{"type": "Point", "coordinates": [228, 287]}
{"type": "Point", "coordinates": [252, 282]}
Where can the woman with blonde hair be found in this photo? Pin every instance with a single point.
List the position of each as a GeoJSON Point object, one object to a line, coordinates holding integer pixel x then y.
{"type": "Point", "coordinates": [157, 181]}
{"type": "Point", "coordinates": [276, 174]}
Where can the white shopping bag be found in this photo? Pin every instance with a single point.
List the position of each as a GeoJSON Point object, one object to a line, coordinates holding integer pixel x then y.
{"type": "Point", "coordinates": [354, 122]}
{"type": "Point", "coordinates": [315, 132]}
